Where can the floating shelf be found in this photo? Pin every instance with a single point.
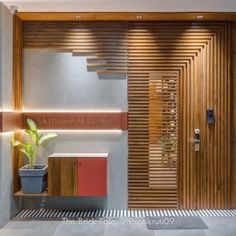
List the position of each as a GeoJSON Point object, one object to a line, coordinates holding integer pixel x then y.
{"type": "Point", "coordinates": [106, 68]}
{"type": "Point", "coordinates": [95, 60]}
{"type": "Point", "coordinates": [96, 67]}
{"type": "Point", "coordinates": [83, 54]}
{"type": "Point", "coordinates": [112, 75]}
{"type": "Point", "coordinates": [110, 72]}
{"type": "Point", "coordinates": [21, 194]}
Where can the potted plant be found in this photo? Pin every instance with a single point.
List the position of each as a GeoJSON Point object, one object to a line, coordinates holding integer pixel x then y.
{"type": "Point", "coordinates": [33, 176]}
{"type": "Point", "coordinates": [169, 147]}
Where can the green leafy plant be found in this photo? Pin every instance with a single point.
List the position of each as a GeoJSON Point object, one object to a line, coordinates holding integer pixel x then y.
{"type": "Point", "coordinates": [169, 140]}
{"type": "Point", "coordinates": [169, 143]}
{"type": "Point", "coordinates": [31, 147]}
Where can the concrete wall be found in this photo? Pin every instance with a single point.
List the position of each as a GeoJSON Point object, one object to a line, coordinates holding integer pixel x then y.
{"type": "Point", "coordinates": [7, 205]}
{"type": "Point", "coordinates": [124, 5]}
{"type": "Point", "coordinates": [59, 81]}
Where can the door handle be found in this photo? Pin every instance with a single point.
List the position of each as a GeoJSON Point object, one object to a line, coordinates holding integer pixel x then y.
{"type": "Point", "coordinates": [196, 140]}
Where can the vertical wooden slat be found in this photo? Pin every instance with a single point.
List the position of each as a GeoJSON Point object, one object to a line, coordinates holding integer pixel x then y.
{"type": "Point", "coordinates": [229, 109]}
{"type": "Point", "coordinates": [17, 161]}
{"type": "Point", "coordinates": [233, 119]}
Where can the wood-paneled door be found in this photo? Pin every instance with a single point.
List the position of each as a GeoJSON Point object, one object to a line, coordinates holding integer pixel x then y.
{"type": "Point", "coordinates": [176, 72]}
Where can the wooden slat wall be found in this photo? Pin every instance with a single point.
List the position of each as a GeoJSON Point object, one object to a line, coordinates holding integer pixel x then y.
{"type": "Point", "coordinates": [200, 54]}
{"type": "Point", "coordinates": [105, 47]}
{"type": "Point", "coordinates": [233, 118]}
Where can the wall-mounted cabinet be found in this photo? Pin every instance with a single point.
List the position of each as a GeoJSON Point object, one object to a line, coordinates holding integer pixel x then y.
{"type": "Point", "coordinates": [77, 174]}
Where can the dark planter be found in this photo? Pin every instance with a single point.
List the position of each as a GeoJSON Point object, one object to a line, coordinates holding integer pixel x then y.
{"type": "Point", "coordinates": [33, 180]}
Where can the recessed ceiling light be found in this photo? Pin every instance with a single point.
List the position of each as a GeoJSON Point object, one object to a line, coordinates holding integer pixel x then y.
{"type": "Point", "coordinates": [199, 17]}
{"type": "Point", "coordinates": [78, 17]}
{"type": "Point", "coordinates": [139, 17]}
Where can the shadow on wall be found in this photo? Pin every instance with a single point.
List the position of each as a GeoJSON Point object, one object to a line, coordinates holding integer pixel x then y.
{"type": "Point", "coordinates": [8, 205]}
{"type": "Point", "coordinates": [71, 203]}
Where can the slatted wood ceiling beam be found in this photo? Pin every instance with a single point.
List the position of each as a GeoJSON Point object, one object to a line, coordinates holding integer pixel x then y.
{"type": "Point", "coordinates": [126, 16]}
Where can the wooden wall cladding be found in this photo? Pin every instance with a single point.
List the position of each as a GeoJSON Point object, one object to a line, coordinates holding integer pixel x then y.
{"type": "Point", "coordinates": [105, 47]}
{"type": "Point", "coordinates": [199, 53]}
{"type": "Point", "coordinates": [10, 121]}
{"type": "Point", "coordinates": [17, 94]}
{"type": "Point", "coordinates": [233, 119]}
{"type": "Point", "coordinates": [17, 63]}
{"type": "Point", "coordinates": [62, 176]}
{"type": "Point", "coordinates": [126, 16]}
{"type": "Point", "coordinates": [76, 120]}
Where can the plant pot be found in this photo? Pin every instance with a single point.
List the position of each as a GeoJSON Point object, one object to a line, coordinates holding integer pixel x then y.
{"type": "Point", "coordinates": [33, 180]}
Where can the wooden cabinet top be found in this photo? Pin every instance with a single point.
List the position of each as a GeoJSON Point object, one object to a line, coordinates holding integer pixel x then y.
{"type": "Point", "coordinates": [79, 155]}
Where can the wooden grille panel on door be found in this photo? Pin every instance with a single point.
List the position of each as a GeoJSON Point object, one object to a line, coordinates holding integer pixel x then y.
{"type": "Point", "coordinates": [163, 131]}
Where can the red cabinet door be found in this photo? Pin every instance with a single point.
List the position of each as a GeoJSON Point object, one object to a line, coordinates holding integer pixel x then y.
{"type": "Point", "coordinates": [92, 176]}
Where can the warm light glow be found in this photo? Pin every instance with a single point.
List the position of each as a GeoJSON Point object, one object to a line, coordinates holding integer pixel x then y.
{"type": "Point", "coordinates": [72, 111]}
{"type": "Point", "coordinates": [139, 17]}
{"type": "Point", "coordinates": [7, 133]}
{"type": "Point", "coordinates": [199, 17]}
{"type": "Point", "coordinates": [6, 110]}
{"type": "Point", "coordinates": [78, 17]}
{"type": "Point", "coordinates": [82, 131]}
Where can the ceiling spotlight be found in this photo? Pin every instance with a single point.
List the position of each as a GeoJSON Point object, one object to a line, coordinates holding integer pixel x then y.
{"type": "Point", "coordinates": [139, 17]}
{"type": "Point", "coordinates": [199, 17]}
{"type": "Point", "coordinates": [13, 9]}
{"type": "Point", "coordinates": [78, 17]}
